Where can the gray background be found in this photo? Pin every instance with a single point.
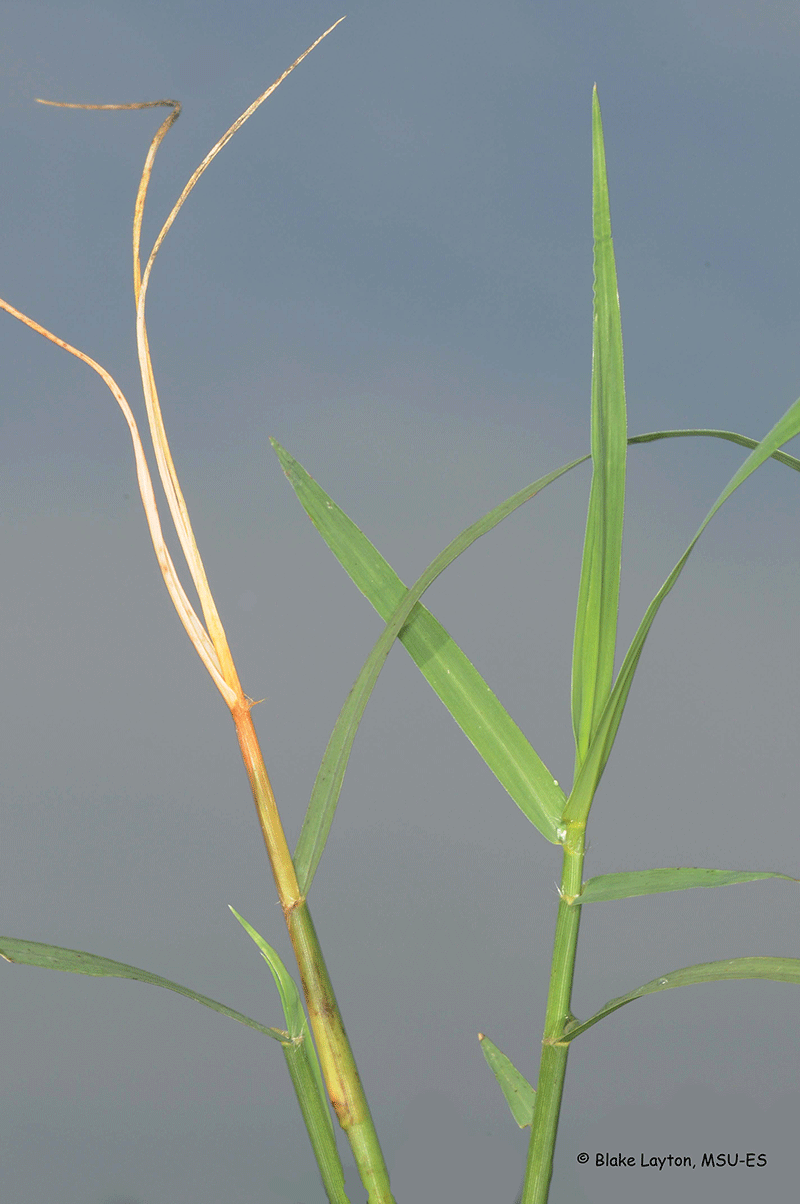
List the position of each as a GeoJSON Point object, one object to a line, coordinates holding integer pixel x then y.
{"type": "Point", "coordinates": [389, 270]}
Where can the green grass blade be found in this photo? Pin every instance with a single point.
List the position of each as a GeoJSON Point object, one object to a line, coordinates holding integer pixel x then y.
{"type": "Point", "coordinates": [478, 712]}
{"type": "Point", "coordinates": [634, 883]}
{"type": "Point", "coordinates": [586, 781]}
{"type": "Point", "coordinates": [598, 595]}
{"type": "Point", "coordinates": [290, 996]}
{"type": "Point", "coordinates": [53, 957]}
{"type": "Point", "coordinates": [731, 436]}
{"type": "Point", "coordinates": [520, 1096]}
{"type": "Point", "coordinates": [776, 969]}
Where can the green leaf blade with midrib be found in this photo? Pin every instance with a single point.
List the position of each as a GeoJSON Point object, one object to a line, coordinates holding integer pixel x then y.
{"type": "Point", "coordinates": [520, 1095]}
{"type": "Point", "coordinates": [598, 594]}
{"type": "Point", "coordinates": [632, 884]}
{"type": "Point", "coordinates": [462, 689]}
{"type": "Point", "coordinates": [75, 961]}
{"type": "Point", "coordinates": [772, 969]}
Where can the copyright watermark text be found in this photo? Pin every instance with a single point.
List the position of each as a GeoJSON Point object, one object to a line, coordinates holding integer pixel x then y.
{"type": "Point", "coordinates": [663, 1162]}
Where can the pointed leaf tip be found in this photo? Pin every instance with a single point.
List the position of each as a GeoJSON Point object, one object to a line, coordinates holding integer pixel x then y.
{"type": "Point", "coordinates": [519, 1094]}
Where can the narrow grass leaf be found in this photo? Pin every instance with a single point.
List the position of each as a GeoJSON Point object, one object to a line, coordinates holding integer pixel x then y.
{"type": "Point", "coordinates": [587, 779]}
{"type": "Point", "coordinates": [478, 712]}
{"type": "Point", "coordinates": [633, 883]}
{"type": "Point", "coordinates": [775, 969]}
{"type": "Point", "coordinates": [520, 1096]}
{"type": "Point", "coordinates": [290, 996]}
{"type": "Point", "coordinates": [730, 436]}
{"type": "Point", "coordinates": [598, 595]}
{"type": "Point", "coordinates": [54, 957]}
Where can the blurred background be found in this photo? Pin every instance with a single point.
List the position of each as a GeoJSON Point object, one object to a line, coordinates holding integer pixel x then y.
{"type": "Point", "coordinates": [389, 270]}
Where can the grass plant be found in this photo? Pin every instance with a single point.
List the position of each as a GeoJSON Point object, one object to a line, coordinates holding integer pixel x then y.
{"type": "Point", "coordinates": [313, 1039]}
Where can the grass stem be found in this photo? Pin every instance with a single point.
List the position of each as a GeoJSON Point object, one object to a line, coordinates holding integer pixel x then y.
{"type": "Point", "coordinates": [338, 1064]}
{"type": "Point", "coordinates": [553, 1063]}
